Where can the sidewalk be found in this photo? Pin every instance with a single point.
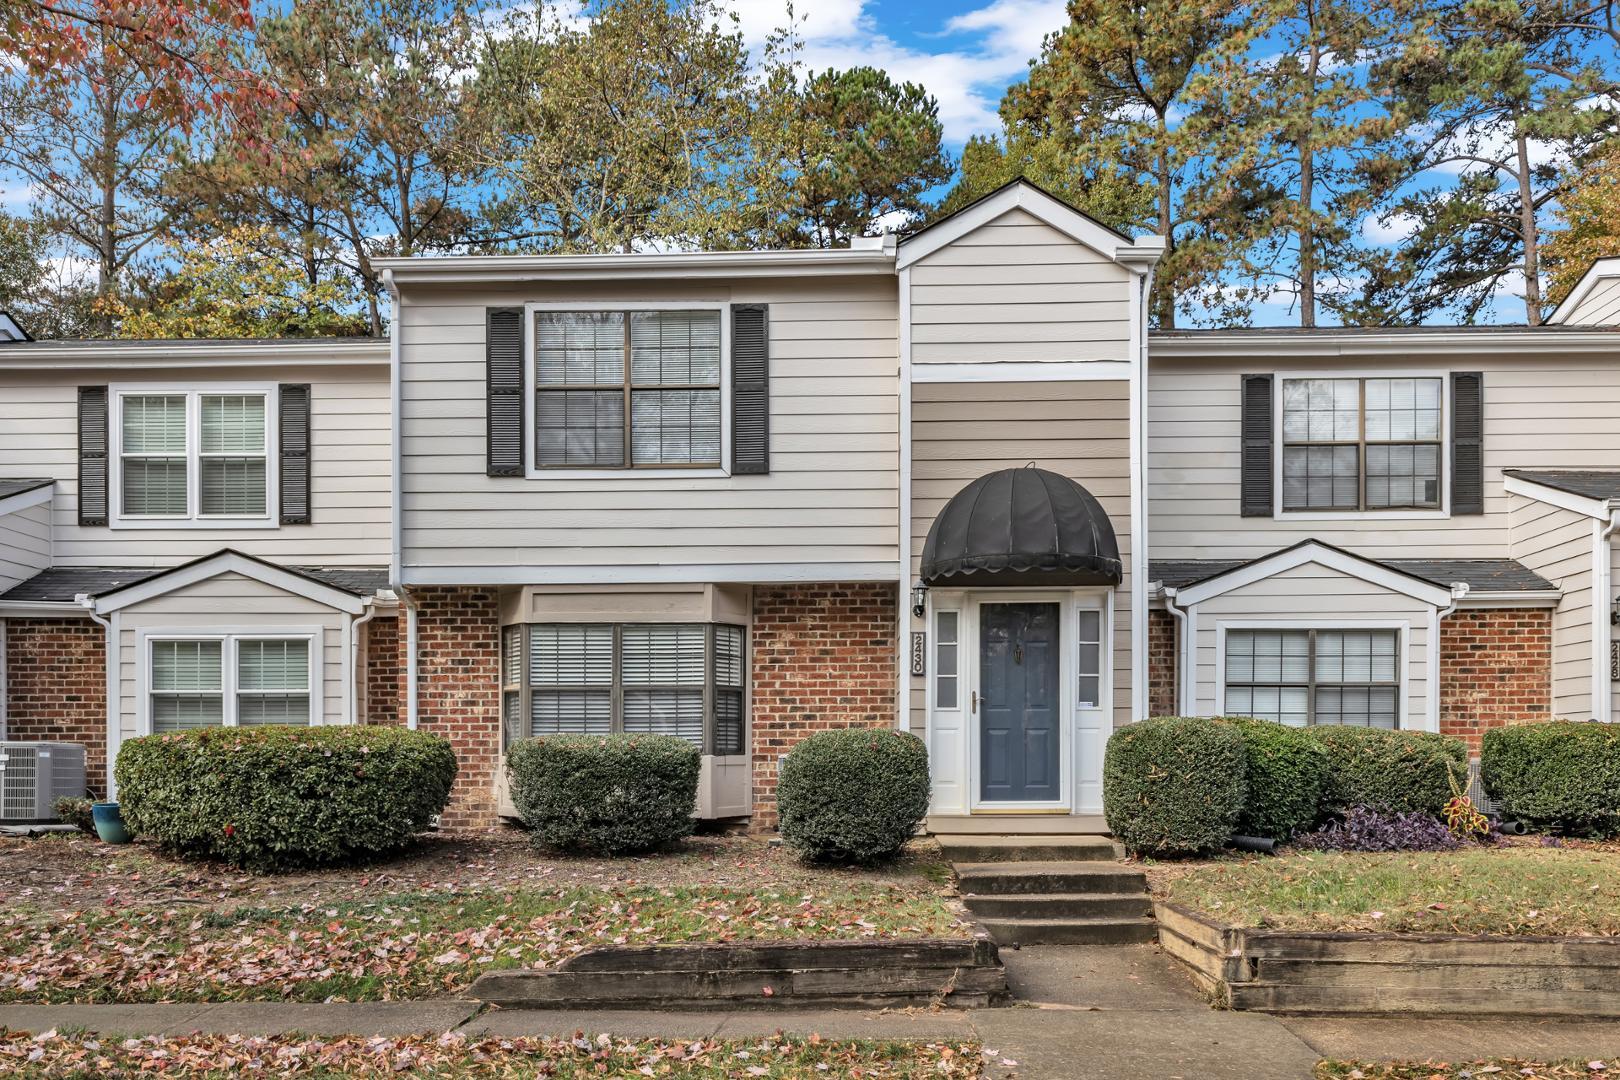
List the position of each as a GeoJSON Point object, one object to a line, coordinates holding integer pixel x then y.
{"type": "Point", "coordinates": [1120, 1013]}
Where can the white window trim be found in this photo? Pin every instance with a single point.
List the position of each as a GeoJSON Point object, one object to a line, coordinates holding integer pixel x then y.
{"type": "Point", "coordinates": [229, 637]}
{"type": "Point", "coordinates": [532, 472]}
{"type": "Point", "coordinates": [1403, 654]}
{"type": "Point", "coordinates": [1277, 511]}
{"type": "Point", "coordinates": [194, 393]}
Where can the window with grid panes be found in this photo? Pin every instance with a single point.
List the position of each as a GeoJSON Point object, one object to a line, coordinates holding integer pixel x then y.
{"type": "Point", "coordinates": [1361, 444]}
{"type": "Point", "coordinates": [1303, 677]}
{"type": "Point", "coordinates": [627, 389]}
{"type": "Point", "coordinates": [193, 455]}
{"type": "Point", "coordinates": [232, 681]}
{"type": "Point", "coordinates": [682, 679]}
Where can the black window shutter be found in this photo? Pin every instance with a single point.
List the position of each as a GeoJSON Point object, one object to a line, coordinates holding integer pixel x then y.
{"type": "Point", "coordinates": [1257, 467]}
{"type": "Point", "coordinates": [92, 455]}
{"type": "Point", "coordinates": [293, 426]}
{"type": "Point", "coordinates": [750, 389]}
{"type": "Point", "coordinates": [503, 345]}
{"type": "Point", "coordinates": [1467, 442]}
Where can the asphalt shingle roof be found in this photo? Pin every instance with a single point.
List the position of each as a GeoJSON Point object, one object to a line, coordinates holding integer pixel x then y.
{"type": "Point", "coordinates": [60, 584]}
{"type": "Point", "coordinates": [1587, 484]}
{"type": "Point", "coordinates": [1482, 575]}
{"type": "Point", "coordinates": [10, 487]}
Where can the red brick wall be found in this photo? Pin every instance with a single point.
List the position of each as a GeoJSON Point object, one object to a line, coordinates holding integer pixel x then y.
{"type": "Point", "coordinates": [823, 656]}
{"type": "Point", "coordinates": [1495, 670]}
{"type": "Point", "coordinates": [382, 671]}
{"type": "Point", "coordinates": [459, 691]}
{"type": "Point", "coordinates": [1161, 664]}
{"type": "Point", "coordinates": [56, 687]}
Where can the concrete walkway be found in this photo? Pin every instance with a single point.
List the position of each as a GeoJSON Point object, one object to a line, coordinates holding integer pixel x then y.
{"type": "Point", "coordinates": [1087, 1013]}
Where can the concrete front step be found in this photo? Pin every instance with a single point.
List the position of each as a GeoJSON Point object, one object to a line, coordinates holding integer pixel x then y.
{"type": "Point", "coordinates": [1123, 931]}
{"type": "Point", "coordinates": [1061, 906]}
{"type": "Point", "coordinates": [1034, 878]}
{"type": "Point", "coordinates": [1018, 847]}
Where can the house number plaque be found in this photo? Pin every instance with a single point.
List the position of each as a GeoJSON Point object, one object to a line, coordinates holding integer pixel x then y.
{"type": "Point", "coordinates": [919, 652]}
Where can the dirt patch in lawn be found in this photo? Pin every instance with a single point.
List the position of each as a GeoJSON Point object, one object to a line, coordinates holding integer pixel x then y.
{"type": "Point", "coordinates": [77, 873]}
{"type": "Point", "coordinates": [1503, 889]}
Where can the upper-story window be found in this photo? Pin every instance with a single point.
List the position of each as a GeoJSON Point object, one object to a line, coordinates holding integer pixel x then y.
{"type": "Point", "coordinates": [193, 456]}
{"type": "Point", "coordinates": [1361, 444]}
{"type": "Point", "coordinates": [627, 389]}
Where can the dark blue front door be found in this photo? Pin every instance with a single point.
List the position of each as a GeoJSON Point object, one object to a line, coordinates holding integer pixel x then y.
{"type": "Point", "coordinates": [1019, 756]}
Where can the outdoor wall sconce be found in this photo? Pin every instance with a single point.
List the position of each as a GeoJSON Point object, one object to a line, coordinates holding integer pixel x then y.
{"type": "Point", "coordinates": [919, 599]}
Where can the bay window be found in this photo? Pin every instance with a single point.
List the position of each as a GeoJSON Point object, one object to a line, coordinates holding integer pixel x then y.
{"type": "Point", "coordinates": [682, 679]}
{"type": "Point", "coordinates": [229, 681]}
{"type": "Point", "coordinates": [193, 456]}
{"type": "Point", "coordinates": [1305, 677]}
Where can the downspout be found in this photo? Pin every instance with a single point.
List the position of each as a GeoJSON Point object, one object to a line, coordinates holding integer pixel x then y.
{"type": "Point", "coordinates": [410, 657]}
{"type": "Point", "coordinates": [1182, 631]}
{"type": "Point", "coordinates": [396, 571]}
{"type": "Point", "coordinates": [1602, 624]}
{"type": "Point", "coordinates": [1459, 589]}
{"type": "Point", "coordinates": [354, 658]}
{"type": "Point", "coordinates": [86, 601]}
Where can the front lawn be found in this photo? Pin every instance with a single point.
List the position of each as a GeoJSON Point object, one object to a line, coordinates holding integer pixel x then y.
{"type": "Point", "coordinates": [1509, 1069]}
{"type": "Point", "coordinates": [91, 923]}
{"type": "Point", "coordinates": [1510, 889]}
{"type": "Point", "coordinates": [63, 1056]}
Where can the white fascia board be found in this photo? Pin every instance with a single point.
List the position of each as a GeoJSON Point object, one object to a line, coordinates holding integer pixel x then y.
{"type": "Point", "coordinates": [1600, 270]}
{"type": "Point", "coordinates": [1030, 371]}
{"type": "Point", "coordinates": [1350, 565]}
{"type": "Point", "coordinates": [25, 500]}
{"type": "Point", "coordinates": [1137, 255]}
{"type": "Point", "coordinates": [124, 355]}
{"type": "Point", "coordinates": [230, 562]}
{"type": "Point", "coordinates": [629, 574]}
{"type": "Point", "coordinates": [1564, 500]}
{"type": "Point", "coordinates": [675, 265]}
{"type": "Point", "coordinates": [1411, 347]}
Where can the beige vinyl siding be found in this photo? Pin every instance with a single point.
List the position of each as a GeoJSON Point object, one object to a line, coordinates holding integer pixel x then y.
{"type": "Point", "coordinates": [229, 601]}
{"type": "Point", "coordinates": [1542, 411]}
{"type": "Point", "coordinates": [831, 496]}
{"type": "Point", "coordinates": [1558, 545]}
{"type": "Point", "coordinates": [1018, 290]}
{"type": "Point", "coordinates": [1323, 597]}
{"type": "Point", "coordinates": [960, 431]}
{"type": "Point", "coordinates": [349, 467]}
{"type": "Point", "coordinates": [25, 544]}
{"type": "Point", "coordinates": [1600, 307]}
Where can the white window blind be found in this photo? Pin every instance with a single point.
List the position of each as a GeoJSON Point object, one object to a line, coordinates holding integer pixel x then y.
{"type": "Point", "coordinates": [663, 678]}
{"type": "Point", "coordinates": [187, 685]}
{"type": "Point", "coordinates": [272, 681]}
{"type": "Point", "coordinates": [730, 736]}
{"type": "Point", "coordinates": [571, 673]}
{"type": "Point", "coordinates": [154, 455]}
{"type": "Point", "coordinates": [186, 455]}
{"type": "Point", "coordinates": [617, 389]}
{"type": "Point", "coordinates": [1302, 677]}
{"type": "Point", "coordinates": [233, 455]}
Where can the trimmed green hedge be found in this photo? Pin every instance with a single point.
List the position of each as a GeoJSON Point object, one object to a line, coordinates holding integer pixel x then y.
{"type": "Point", "coordinates": [853, 795]}
{"type": "Point", "coordinates": [1287, 770]}
{"type": "Point", "coordinates": [275, 797]}
{"type": "Point", "coordinates": [1397, 772]}
{"type": "Point", "coordinates": [605, 794]}
{"type": "Point", "coordinates": [1174, 785]}
{"type": "Point", "coordinates": [1561, 775]}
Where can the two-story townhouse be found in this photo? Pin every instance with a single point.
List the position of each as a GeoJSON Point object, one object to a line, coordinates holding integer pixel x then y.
{"type": "Point", "coordinates": [193, 533]}
{"type": "Point", "coordinates": [946, 481]}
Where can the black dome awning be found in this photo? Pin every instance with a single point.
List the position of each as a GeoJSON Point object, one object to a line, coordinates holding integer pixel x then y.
{"type": "Point", "coordinates": [1022, 527]}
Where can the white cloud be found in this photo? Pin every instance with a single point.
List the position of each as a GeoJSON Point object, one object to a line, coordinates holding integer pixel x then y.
{"type": "Point", "coordinates": [1394, 230]}
{"type": "Point", "coordinates": [981, 52]}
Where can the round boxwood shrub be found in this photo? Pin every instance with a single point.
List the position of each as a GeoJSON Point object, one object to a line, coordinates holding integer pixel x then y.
{"type": "Point", "coordinates": [605, 794]}
{"type": "Point", "coordinates": [1560, 775]}
{"type": "Point", "coordinates": [1396, 772]}
{"type": "Point", "coordinates": [1174, 785]}
{"type": "Point", "coordinates": [854, 795]}
{"type": "Point", "coordinates": [1287, 768]}
{"type": "Point", "coordinates": [275, 797]}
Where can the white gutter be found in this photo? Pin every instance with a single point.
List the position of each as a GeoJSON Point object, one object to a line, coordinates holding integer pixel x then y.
{"type": "Point", "coordinates": [1184, 674]}
{"type": "Point", "coordinates": [114, 731]}
{"type": "Point", "coordinates": [1216, 344]}
{"type": "Point", "coordinates": [40, 609]}
{"type": "Point", "coordinates": [1431, 702]}
{"type": "Point", "coordinates": [351, 657]}
{"type": "Point", "coordinates": [903, 687]}
{"type": "Point", "coordinates": [679, 264]}
{"type": "Point", "coordinates": [143, 355]}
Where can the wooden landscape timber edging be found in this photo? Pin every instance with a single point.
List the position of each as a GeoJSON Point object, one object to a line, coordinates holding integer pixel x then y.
{"type": "Point", "coordinates": [1345, 973]}
{"type": "Point", "coordinates": [960, 972]}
